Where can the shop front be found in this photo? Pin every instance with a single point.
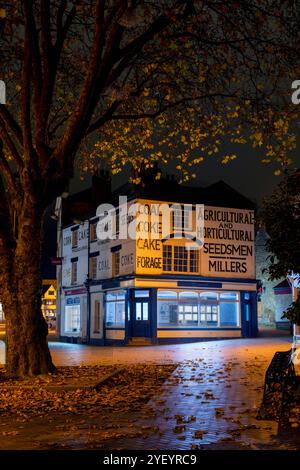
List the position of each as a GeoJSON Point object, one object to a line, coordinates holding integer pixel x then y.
{"type": "Point", "coordinates": [170, 312]}
{"type": "Point", "coordinates": [74, 315]}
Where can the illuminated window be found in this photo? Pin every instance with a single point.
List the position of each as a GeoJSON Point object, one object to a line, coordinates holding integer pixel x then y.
{"type": "Point", "coordinates": [188, 314]}
{"type": "Point", "coordinates": [72, 318]}
{"type": "Point", "coordinates": [115, 309]}
{"type": "Point", "coordinates": [197, 309]}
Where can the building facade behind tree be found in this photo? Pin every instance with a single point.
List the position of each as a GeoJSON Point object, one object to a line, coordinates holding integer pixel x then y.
{"type": "Point", "coordinates": [155, 288]}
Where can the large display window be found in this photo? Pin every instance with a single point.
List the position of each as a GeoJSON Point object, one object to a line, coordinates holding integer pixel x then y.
{"type": "Point", "coordinates": [115, 309]}
{"type": "Point", "coordinates": [197, 309]}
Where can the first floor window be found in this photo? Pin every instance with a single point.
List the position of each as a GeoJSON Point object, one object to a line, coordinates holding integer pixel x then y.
{"type": "Point", "coordinates": [93, 267]}
{"type": "Point", "coordinates": [116, 263]}
{"type": "Point", "coordinates": [72, 318]}
{"type": "Point", "coordinates": [180, 259]}
{"type": "Point", "coordinates": [177, 258]}
{"type": "Point", "coordinates": [74, 273]}
{"type": "Point", "coordinates": [167, 258]}
{"type": "Point", "coordinates": [194, 261]}
{"type": "Point", "coordinates": [115, 309]}
{"type": "Point", "coordinates": [93, 231]}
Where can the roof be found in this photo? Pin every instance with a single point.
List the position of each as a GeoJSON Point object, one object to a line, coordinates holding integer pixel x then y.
{"type": "Point", "coordinates": [219, 194]}
{"type": "Point", "coordinates": [282, 288]}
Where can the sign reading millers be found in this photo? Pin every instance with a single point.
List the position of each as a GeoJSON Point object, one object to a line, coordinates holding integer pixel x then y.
{"type": "Point", "coordinates": [228, 249]}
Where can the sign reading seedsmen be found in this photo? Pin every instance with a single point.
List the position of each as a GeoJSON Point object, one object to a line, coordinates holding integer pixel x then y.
{"type": "Point", "coordinates": [228, 249]}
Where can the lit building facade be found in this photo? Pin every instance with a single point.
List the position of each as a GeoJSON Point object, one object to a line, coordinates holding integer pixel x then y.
{"type": "Point", "coordinates": [150, 287]}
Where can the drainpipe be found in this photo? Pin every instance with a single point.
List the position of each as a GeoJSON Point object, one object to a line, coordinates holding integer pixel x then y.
{"type": "Point", "coordinates": [87, 285]}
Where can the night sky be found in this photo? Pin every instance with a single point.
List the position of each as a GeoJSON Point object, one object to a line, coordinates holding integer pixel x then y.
{"type": "Point", "coordinates": [246, 174]}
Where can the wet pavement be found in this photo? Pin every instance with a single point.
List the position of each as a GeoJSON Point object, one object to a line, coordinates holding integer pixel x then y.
{"type": "Point", "coordinates": [210, 401]}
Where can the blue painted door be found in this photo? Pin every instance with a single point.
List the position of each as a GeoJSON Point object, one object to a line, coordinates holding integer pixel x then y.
{"type": "Point", "coordinates": [140, 318]}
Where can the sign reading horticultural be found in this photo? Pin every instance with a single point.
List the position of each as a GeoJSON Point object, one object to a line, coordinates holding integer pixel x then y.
{"type": "Point", "coordinates": [228, 249]}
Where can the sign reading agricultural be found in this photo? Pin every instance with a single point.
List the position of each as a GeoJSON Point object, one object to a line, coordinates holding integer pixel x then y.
{"type": "Point", "coordinates": [228, 249]}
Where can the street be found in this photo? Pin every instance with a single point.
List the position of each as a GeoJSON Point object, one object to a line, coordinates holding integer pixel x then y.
{"type": "Point", "coordinates": [211, 399]}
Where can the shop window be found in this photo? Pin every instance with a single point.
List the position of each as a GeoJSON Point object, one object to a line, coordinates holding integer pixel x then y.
{"type": "Point", "coordinates": [72, 318]}
{"type": "Point", "coordinates": [75, 238]}
{"type": "Point", "coordinates": [229, 314]}
{"type": "Point", "coordinates": [97, 317]}
{"type": "Point", "coordinates": [188, 314]}
{"type": "Point", "coordinates": [115, 309]}
{"type": "Point", "coordinates": [208, 314]}
{"type": "Point", "coordinates": [74, 273]}
{"type": "Point", "coordinates": [197, 309]}
{"type": "Point", "coordinates": [93, 267]}
{"type": "Point", "coordinates": [167, 311]}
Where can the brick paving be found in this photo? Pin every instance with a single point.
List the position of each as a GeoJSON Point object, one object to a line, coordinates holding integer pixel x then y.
{"type": "Point", "coordinates": [210, 401]}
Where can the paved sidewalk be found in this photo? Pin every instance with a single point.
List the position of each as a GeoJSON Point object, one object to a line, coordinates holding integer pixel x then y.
{"type": "Point", "coordinates": [211, 400]}
{"type": "Point", "coordinates": [76, 354]}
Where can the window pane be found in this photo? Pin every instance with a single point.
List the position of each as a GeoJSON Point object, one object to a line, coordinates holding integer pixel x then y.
{"type": "Point", "coordinates": [110, 313]}
{"type": "Point", "coordinates": [141, 293]}
{"type": "Point", "coordinates": [229, 296]}
{"type": "Point", "coordinates": [138, 311]}
{"type": "Point", "coordinates": [229, 314]}
{"type": "Point", "coordinates": [111, 296]}
{"type": "Point", "coordinates": [188, 295]}
{"type": "Point", "coordinates": [72, 318]}
{"type": "Point", "coordinates": [167, 294]}
{"type": "Point", "coordinates": [209, 295]}
{"type": "Point", "coordinates": [120, 295]}
{"type": "Point", "coordinates": [145, 311]}
{"type": "Point", "coordinates": [167, 312]}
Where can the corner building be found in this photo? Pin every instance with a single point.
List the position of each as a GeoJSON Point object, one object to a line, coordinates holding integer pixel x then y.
{"type": "Point", "coordinates": [150, 287]}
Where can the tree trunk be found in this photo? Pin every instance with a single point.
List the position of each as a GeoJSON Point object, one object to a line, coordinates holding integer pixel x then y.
{"type": "Point", "coordinates": [27, 351]}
